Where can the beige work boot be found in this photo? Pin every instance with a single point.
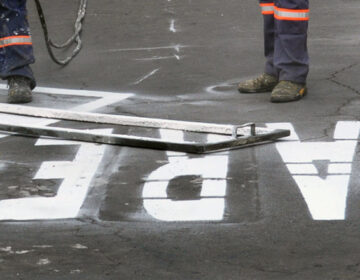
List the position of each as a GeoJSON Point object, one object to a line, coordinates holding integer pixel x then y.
{"type": "Point", "coordinates": [287, 91]}
{"type": "Point", "coordinates": [19, 90]}
{"type": "Point", "coordinates": [263, 83]}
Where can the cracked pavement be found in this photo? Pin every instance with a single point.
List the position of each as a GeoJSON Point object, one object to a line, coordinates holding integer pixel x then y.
{"type": "Point", "coordinates": [282, 211]}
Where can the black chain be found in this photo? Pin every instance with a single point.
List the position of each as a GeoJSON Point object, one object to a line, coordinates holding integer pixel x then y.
{"type": "Point", "coordinates": [75, 38]}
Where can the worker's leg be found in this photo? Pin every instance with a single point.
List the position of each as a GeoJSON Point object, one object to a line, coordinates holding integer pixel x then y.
{"type": "Point", "coordinates": [268, 80]}
{"type": "Point", "coordinates": [16, 53]}
{"type": "Point", "coordinates": [267, 9]}
{"type": "Point", "coordinates": [291, 53]}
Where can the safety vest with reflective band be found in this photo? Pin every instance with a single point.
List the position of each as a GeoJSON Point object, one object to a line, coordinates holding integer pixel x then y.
{"type": "Point", "coordinates": [284, 14]}
{"type": "Point", "coordinates": [15, 40]}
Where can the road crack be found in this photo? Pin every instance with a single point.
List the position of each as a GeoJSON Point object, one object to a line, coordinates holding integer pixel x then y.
{"type": "Point", "coordinates": [333, 78]}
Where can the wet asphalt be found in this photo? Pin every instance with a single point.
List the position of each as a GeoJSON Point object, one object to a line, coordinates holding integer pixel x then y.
{"type": "Point", "coordinates": [286, 210]}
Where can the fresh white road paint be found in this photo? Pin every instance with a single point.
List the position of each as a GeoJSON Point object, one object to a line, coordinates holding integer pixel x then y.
{"type": "Point", "coordinates": [172, 26]}
{"type": "Point", "coordinates": [175, 56]}
{"type": "Point", "coordinates": [325, 196]}
{"type": "Point", "coordinates": [76, 175]}
{"type": "Point", "coordinates": [175, 47]}
{"type": "Point", "coordinates": [103, 98]}
{"type": "Point", "coordinates": [213, 170]}
{"type": "Point", "coordinates": [146, 76]}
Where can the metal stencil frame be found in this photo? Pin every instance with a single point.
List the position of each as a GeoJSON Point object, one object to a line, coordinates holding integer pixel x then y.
{"type": "Point", "coordinates": [241, 135]}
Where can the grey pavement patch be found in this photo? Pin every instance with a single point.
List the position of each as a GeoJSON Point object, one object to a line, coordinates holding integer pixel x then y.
{"type": "Point", "coordinates": [74, 271]}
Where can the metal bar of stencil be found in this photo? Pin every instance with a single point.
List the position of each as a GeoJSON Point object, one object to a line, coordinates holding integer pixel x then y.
{"type": "Point", "coordinates": [102, 138]}
{"type": "Point", "coordinates": [136, 141]}
{"type": "Point", "coordinates": [225, 129]}
{"type": "Point", "coordinates": [244, 141]}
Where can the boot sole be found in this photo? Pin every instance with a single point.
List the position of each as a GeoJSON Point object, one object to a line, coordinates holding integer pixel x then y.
{"type": "Point", "coordinates": [19, 99]}
{"type": "Point", "coordinates": [286, 99]}
{"type": "Point", "coordinates": [262, 90]}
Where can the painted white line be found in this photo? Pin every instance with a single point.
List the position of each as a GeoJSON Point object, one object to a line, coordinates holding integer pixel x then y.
{"type": "Point", "coordinates": [309, 169]}
{"type": "Point", "coordinates": [43, 262]}
{"type": "Point", "coordinates": [103, 99]}
{"type": "Point", "coordinates": [176, 47]}
{"type": "Point", "coordinates": [172, 26]}
{"type": "Point", "coordinates": [339, 168]}
{"type": "Point", "coordinates": [324, 194]}
{"type": "Point", "coordinates": [146, 76]}
{"type": "Point", "coordinates": [42, 246]}
{"type": "Point", "coordinates": [100, 103]}
{"type": "Point", "coordinates": [177, 57]}
{"type": "Point", "coordinates": [74, 92]}
{"type": "Point", "coordinates": [213, 171]}
{"type": "Point", "coordinates": [347, 130]}
{"type": "Point", "coordinates": [77, 175]}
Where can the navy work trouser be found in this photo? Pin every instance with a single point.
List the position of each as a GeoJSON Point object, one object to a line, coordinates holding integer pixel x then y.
{"type": "Point", "coordinates": [285, 35]}
{"type": "Point", "coordinates": [16, 52]}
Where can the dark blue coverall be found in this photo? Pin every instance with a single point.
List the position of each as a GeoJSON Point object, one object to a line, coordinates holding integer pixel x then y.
{"type": "Point", "coordinates": [285, 38]}
{"type": "Point", "coordinates": [16, 52]}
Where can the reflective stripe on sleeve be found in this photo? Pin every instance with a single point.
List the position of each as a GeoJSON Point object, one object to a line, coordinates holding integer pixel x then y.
{"type": "Point", "coordinates": [15, 40]}
{"type": "Point", "coordinates": [287, 14]}
{"type": "Point", "coordinates": [267, 8]}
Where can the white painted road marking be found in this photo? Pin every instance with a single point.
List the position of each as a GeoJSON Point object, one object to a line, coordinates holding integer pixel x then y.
{"type": "Point", "coordinates": [213, 170]}
{"type": "Point", "coordinates": [146, 76]}
{"type": "Point", "coordinates": [325, 196]}
{"type": "Point", "coordinates": [175, 47]}
{"type": "Point", "coordinates": [172, 26]}
{"type": "Point", "coordinates": [76, 175]}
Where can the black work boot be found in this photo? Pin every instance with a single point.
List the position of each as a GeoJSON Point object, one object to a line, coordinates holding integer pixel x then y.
{"type": "Point", "coordinates": [287, 91]}
{"type": "Point", "coordinates": [19, 89]}
{"type": "Point", "coordinates": [263, 83]}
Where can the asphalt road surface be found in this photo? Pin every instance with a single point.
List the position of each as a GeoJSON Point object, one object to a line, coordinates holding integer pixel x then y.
{"type": "Point", "coordinates": [286, 210]}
